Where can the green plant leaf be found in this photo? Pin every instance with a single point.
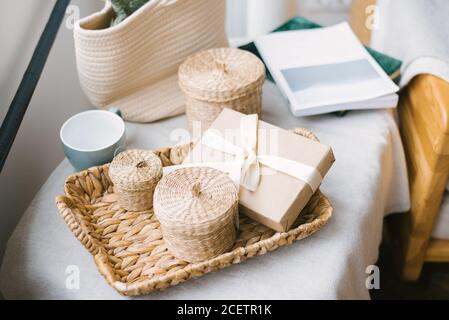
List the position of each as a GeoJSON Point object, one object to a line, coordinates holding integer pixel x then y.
{"type": "Point", "coordinates": [134, 5]}
{"type": "Point", "coordinates": [124, 8]}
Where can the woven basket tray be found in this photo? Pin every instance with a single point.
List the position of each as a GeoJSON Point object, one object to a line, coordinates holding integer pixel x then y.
{"type": "Point", "coordinates": [128, 247]}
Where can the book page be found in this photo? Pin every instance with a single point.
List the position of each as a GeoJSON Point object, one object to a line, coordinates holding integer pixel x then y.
{"type": "Point", "coordinates": [326, 66]}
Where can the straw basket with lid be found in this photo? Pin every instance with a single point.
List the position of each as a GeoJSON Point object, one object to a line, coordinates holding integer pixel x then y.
{"type": "Point", "coordinates": [221, 78]}
{"type": "Point", "coordinates": [197, 209]}
{"type": "Point", "coordinates": [135, 174]}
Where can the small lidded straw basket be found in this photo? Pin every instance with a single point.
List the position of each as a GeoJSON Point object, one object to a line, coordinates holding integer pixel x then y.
{"type": "Point", "coordinates": [197, 208]}
{"type": "Point", "coordinates": [135, 174]}
{"type": "Point", "coordinates": [221, 78]}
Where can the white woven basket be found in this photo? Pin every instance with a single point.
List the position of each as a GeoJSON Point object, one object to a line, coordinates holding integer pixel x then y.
{"type": "Point", "coordinates": [134, 64]}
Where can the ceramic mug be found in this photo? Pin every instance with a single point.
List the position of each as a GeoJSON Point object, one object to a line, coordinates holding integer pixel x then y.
{"type": "Point", "coordinates": [93, 137]}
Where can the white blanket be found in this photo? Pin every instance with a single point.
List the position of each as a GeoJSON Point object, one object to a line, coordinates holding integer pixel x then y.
{"type": "Point", "coordinates": [368, 180]}
{"type": "Point", "coordinates": [416, 32]}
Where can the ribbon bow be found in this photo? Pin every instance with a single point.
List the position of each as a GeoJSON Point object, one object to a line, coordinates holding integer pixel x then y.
{"type": "Point", "coordinates": [245, 169]}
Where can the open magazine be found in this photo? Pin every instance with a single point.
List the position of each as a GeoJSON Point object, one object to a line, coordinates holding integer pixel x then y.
{"type": "Point", "coordinates": [325, 70]}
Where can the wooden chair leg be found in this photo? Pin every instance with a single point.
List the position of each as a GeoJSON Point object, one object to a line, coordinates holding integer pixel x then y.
{"type": "Point", "coordinates": [424, 127]}
{"type": "Point", "coordinates": [408, 249]}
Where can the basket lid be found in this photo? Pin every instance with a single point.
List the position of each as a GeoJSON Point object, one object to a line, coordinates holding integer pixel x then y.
{"type": "Point", "coordinates": [220, 74]}
{"type": "Point", "coordinates": [135, 169]}
{"type": "Point", "coordinates": [195, 196]}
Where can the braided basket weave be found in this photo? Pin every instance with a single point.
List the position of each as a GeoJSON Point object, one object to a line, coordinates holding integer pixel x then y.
{"type": "Point", "coordinates": [135, 174]}
{"type": "Point", "coordinates": [128, 247]}
{"type": "Point", "coordinates": [197, 209]}
{"type": "Point", "coordinates": [221, 78]}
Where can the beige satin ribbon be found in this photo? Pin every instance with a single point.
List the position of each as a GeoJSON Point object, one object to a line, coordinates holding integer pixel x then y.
{"type": "Point", "coordinates": [245, 169]}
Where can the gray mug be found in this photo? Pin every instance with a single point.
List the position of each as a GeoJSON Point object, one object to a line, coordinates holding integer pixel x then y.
{"type": "Point", "coordinates": [93, 137]}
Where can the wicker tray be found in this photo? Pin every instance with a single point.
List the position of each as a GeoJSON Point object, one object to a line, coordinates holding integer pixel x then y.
{"type": "Point", "coordinates": [128, 247]}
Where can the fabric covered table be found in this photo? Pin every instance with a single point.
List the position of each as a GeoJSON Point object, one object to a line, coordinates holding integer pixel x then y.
{"type": "Point", "coordinates": [368, 180]}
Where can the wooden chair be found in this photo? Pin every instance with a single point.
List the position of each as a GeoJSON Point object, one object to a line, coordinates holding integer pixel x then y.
{"type": "Point", "coordinates": [424, 125]}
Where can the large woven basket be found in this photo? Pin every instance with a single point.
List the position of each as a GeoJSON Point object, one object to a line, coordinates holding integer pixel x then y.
{"type": "Point", "coordinates": [221, 78]}
{"type": "Point", "coordinates": [134, 65]}
{"type": "Point", "coordinates": [129, 249]}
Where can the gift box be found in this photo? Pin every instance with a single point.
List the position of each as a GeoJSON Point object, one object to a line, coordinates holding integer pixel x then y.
{"type": "Point", "coordinates": [277, 171]}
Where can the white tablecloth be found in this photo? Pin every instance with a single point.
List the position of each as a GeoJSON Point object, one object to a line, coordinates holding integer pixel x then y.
{"type": "Point", "coordinates": [368, 180]}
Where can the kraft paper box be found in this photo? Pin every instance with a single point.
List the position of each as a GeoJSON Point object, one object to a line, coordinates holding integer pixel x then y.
{"type": "Point", "coordinates": [279, 198]}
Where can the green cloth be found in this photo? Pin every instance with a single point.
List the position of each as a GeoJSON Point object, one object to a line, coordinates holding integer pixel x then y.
{"type": "Point", "coordinates": [389, 64]}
